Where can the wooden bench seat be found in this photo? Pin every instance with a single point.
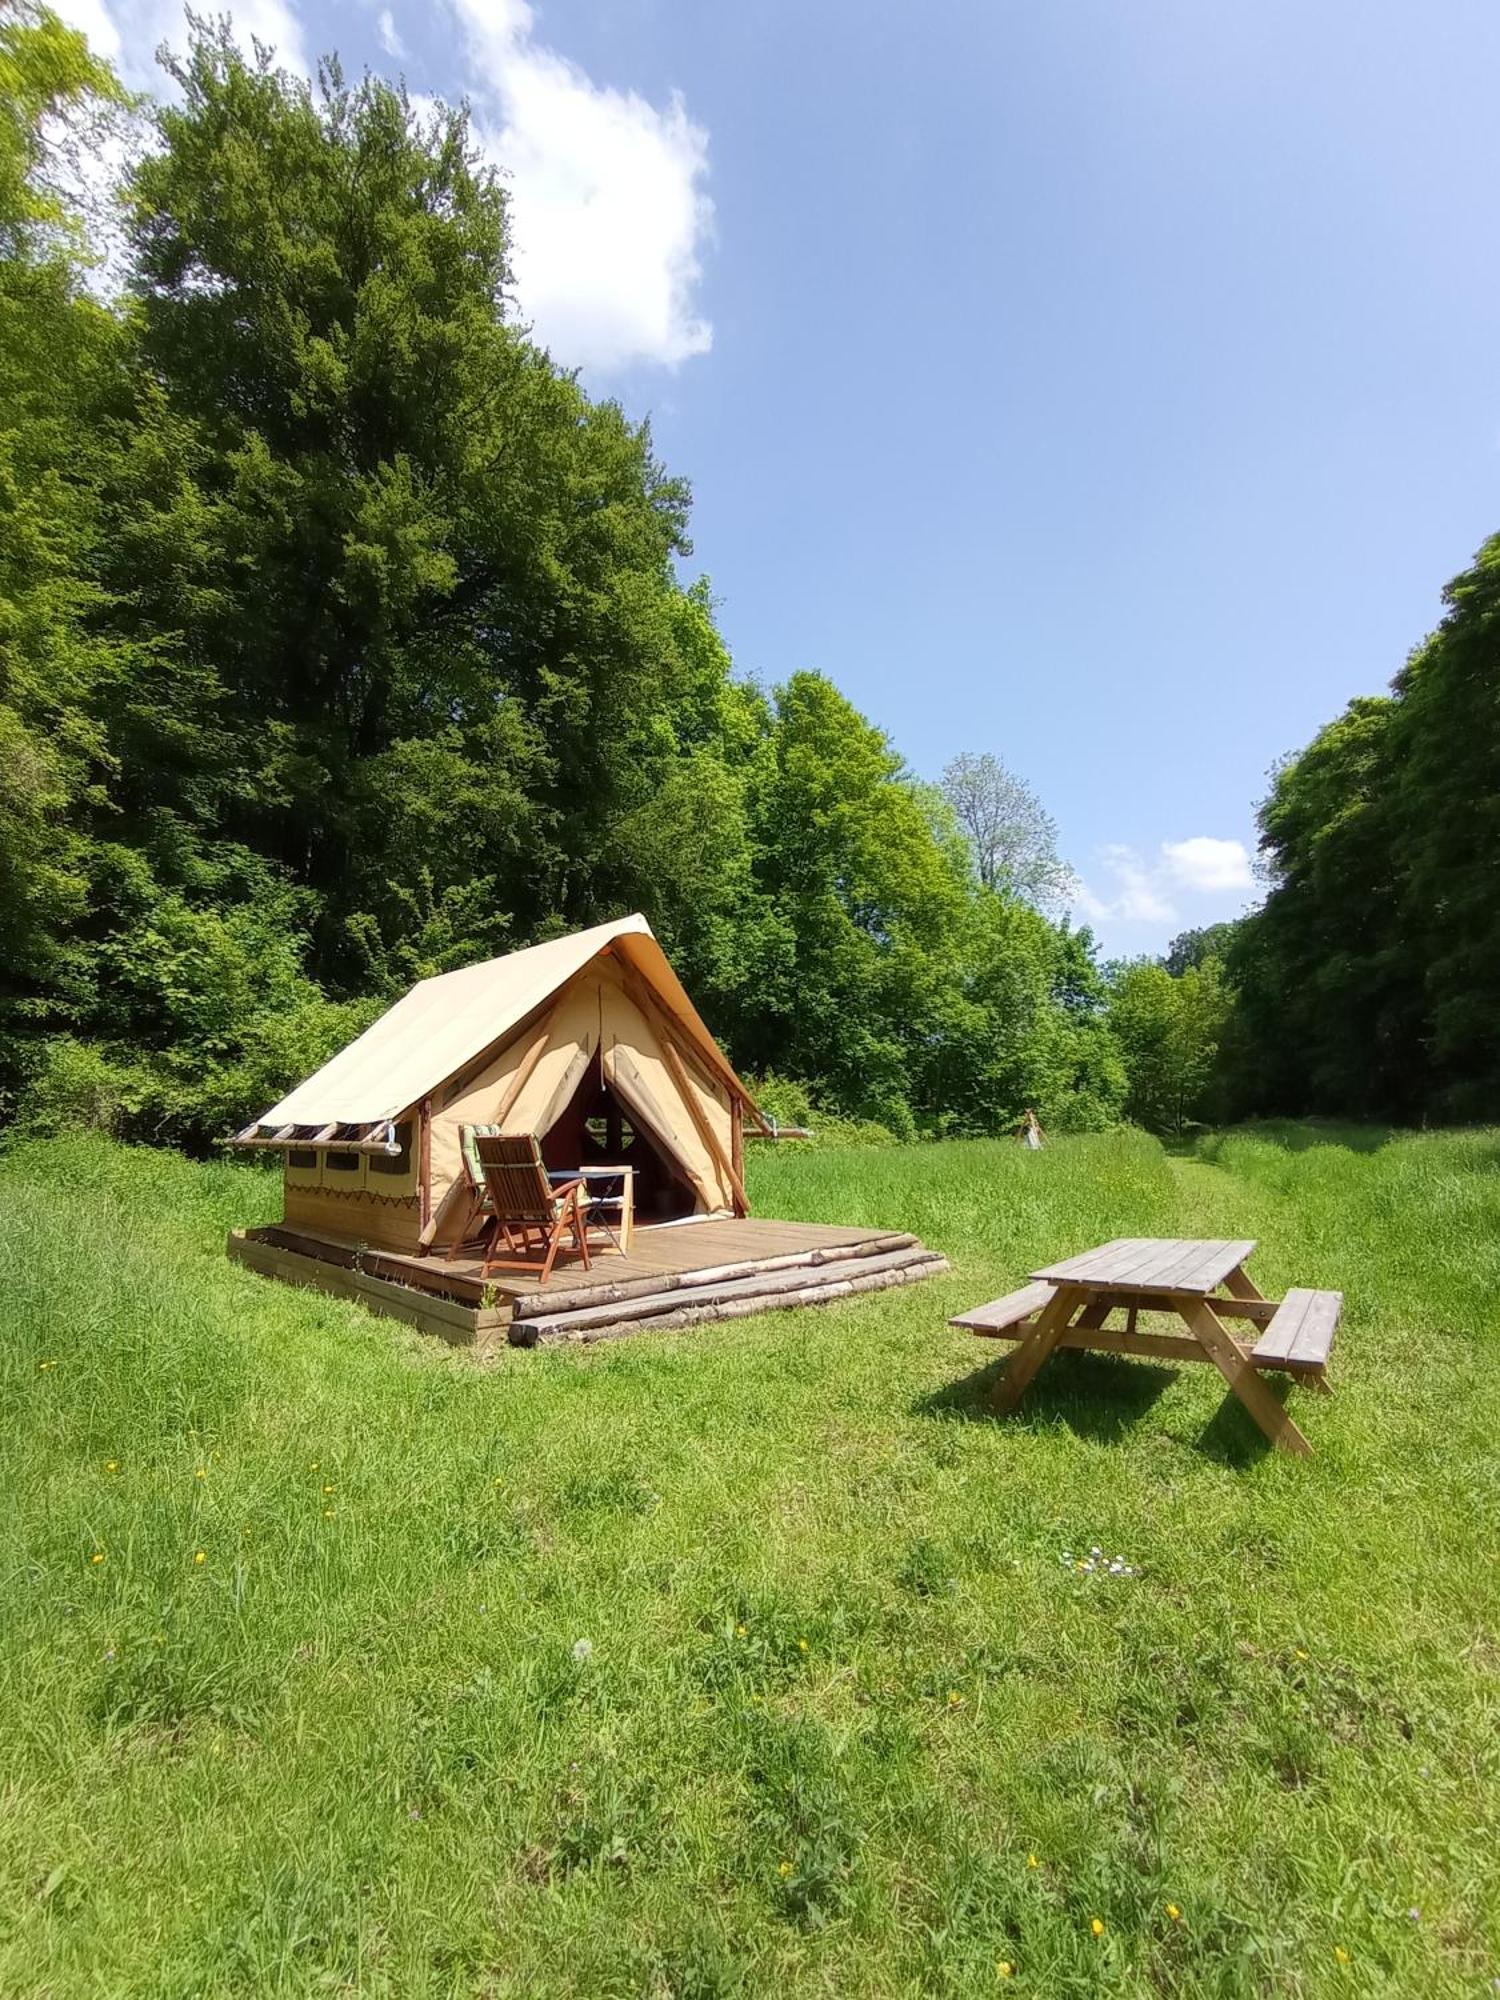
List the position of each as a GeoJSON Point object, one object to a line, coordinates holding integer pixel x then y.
{"type": "Point", "coordinates": [999, 1319]}
{"type": "Point", "coordinates": [1300, 1333]}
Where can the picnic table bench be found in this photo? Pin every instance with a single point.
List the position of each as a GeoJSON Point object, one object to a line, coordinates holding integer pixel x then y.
{"type": "Point", "coordinates": [1202, 1284]}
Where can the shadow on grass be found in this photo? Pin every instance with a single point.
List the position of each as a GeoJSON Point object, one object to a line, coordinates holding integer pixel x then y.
{"type": "Point", "coordinates": [1101, 1398]}
{"type": "Point", "coordinates": [1095, 1395]}
{"type": "Point", "coordinates": [1232, 1436]}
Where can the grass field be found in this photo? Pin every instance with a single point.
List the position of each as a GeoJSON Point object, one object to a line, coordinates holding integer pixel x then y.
{"type": "Point", "coordinates": [749, 1660]}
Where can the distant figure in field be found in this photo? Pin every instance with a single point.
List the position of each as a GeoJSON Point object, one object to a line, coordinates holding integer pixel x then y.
{"type": "Point", "coordinates": [1030, 1133]}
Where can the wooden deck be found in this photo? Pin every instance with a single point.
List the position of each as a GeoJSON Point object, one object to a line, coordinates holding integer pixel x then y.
{"type": "Point", "coordinates": [676, 1274]}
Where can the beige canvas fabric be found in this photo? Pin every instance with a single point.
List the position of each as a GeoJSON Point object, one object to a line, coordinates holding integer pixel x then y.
{"type": "Point", "coordinates": [444, 1024]}
{"type": "Point", "coordinates": [572, 1025]}
{"type": "Point", "coordinates": [637, 1071]}
{"type": "Point", "coordinates": [595, 1013]}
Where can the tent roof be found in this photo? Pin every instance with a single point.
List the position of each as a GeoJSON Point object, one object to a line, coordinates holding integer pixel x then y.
{"type": "Point", "coordinates": [442, 1024]}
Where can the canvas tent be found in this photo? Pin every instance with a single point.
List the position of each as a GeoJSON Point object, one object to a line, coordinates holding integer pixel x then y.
{"type": "Point", "coordinates": [589, 1041]}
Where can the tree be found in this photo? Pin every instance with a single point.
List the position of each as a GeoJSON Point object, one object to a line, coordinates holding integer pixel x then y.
{"type": "Point", "coordinates": [59, 352]}
{"type": "Point", "coordinates": [1447, 804]}
{"type": "Point", "coordinates": [1169, 1031]}
{"type": "Point", "coordinates": [1196, 947]}
{"type": "Point", "coordinates": [1010, 833]}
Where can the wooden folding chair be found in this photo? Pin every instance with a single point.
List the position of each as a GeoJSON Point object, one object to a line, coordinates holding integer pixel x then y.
{"type": "Point", "coordinates": [527, 1205]}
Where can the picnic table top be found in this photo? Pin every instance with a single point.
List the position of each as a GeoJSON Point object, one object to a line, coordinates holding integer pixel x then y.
{"type": "Point", "coordinates": [1150, 1264]}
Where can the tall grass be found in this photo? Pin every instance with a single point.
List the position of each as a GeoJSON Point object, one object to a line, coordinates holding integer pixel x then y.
{"type": "Point", "coordinates": [747, 1660]}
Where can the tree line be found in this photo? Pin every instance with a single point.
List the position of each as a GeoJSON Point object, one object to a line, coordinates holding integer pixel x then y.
{"type": "Point", "coordinates": [343, 640]}
{"type": "Point", "coordinates": [1367, 984]}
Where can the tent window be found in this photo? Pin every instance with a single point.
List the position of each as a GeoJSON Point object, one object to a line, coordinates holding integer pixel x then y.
{"type": "Point", "coordinates": [342, 1163]}
{"type": "Point", "coordinates": [612, 1134]}
{"type": "Point", "coordinates": [302, 1158]}
{"type": "Point", "coordinates": [398, 1164]}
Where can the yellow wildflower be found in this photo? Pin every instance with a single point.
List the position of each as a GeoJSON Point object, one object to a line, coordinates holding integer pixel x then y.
{"type": "Point", "coordinates": [200, 1556]}
{"type": "Point", "coordinates": [1173, 1912]}
{"type": "Point", "coordinates": [1096, 1925]}
{"type": "Point", "coordinates": [801, 1645]}
{"type": "Point", "coordinates": [97, 1556]}
{"type": "Point", "coordinates": [784, 1870]}
{"type": "Point", "coordinates": [327, 1513]}
{"type": "Point", "coordinates": [43, 1366]}
{"type": "Point", "coordinates": [1032, 1862]}
{"type": "Point", "coordinates": [111, 1465]}
{"type": "Point", "coordinates": [955, 1699]}
{"type": "Point", "coordinates": [1300, 1654]}
{"type": "Point", "coordinates": [1340, 1954]}
{"type": "Point", "coordinates": [739, 1631]}
{"type": "Point", "coordinates": [327, 1490]}
{"type": "Point", "coordinates": [1003, 1968]}
{"type": "Point", "coordinates": [201, 1473]}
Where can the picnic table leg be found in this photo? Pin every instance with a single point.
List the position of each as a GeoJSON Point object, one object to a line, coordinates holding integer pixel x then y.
{"type": "Point", "coordinates": [1239, 1371]}
{"type": "Point", "coordinates": [1052, 1323]}
{"type": "Point", "coordinates": [1240, 1285]}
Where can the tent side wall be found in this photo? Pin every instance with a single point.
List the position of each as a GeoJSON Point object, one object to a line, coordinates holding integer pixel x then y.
{"type": "Point", "coordinates": [358, 1197]}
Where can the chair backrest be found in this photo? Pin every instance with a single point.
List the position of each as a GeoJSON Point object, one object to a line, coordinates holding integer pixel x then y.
{"type": "Point", "coordinates": [467, 1135]}
{"type": "Point", "coordinates": [516, 1177]}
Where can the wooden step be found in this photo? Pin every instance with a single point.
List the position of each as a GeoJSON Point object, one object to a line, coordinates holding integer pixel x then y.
{"type": "Point", "coordinates": [705, 1300]}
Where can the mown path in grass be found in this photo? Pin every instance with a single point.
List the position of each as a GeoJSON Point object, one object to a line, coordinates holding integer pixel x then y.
{"type": "Point", "coordinates": [749, 1660]}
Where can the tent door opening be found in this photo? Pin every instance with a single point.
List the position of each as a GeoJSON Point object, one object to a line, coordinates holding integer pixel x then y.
{"type": "Point", "coordinates": [596, 1130]}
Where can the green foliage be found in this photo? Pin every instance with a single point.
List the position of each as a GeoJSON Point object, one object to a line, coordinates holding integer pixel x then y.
{"type": "Point", "coordinates": [343, 643]}
{"type": "Point", "coordinates": [792, 1103]}
{"type": "Point", "coordinates": [1370, 981]}
{"type": "Point", "coordinates": [1194, 947]}
{"type": "Point", "coordinates": [353, 1750]}
{"type": "Point", "coordinates": [1169, 1032]}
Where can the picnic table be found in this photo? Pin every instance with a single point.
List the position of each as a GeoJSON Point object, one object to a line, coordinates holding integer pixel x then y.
{"type": "Point", "coordinates": [1203, 1285]}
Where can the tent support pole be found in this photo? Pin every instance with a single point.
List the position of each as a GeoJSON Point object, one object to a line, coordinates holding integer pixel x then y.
{"type": "Point", "coordinates": [424, 1165]}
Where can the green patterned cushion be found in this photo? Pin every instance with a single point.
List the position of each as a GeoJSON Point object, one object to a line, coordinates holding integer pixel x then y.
{"type": "Point", "coordinates": [467, 1134]}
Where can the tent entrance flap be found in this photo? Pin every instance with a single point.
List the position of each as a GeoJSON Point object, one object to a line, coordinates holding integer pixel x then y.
{"type": "Point", "coordinates": [597, 1127]}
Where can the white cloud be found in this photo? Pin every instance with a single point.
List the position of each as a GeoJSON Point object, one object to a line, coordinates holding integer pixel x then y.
{"type": "Point", "coordinates": [129, 32]}
{"type": "Point", "coordinates": [390, 39]}
{"type": "Point", "coordinates": [1141, 891]}
{"type": "Point", "coordinates": [608, 208]}
{"type": "Point", "coordinates": [1135, 895]}
{"type": "Point", "coordinates": [92, 18]}
{"type": "Point", "coordinates": [1207, 866]}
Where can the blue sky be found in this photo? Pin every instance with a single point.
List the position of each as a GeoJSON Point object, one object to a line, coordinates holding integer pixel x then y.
{"type": "Point", "coordinates": [1110, 384]}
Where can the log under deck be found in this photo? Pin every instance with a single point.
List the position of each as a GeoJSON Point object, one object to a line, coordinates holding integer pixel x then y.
{"type": "Point", "coordinates": [449, 1297]}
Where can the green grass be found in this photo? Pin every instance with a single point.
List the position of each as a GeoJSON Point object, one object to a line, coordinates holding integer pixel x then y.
{"type": "Point", "coordinates": [839, 1684]}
